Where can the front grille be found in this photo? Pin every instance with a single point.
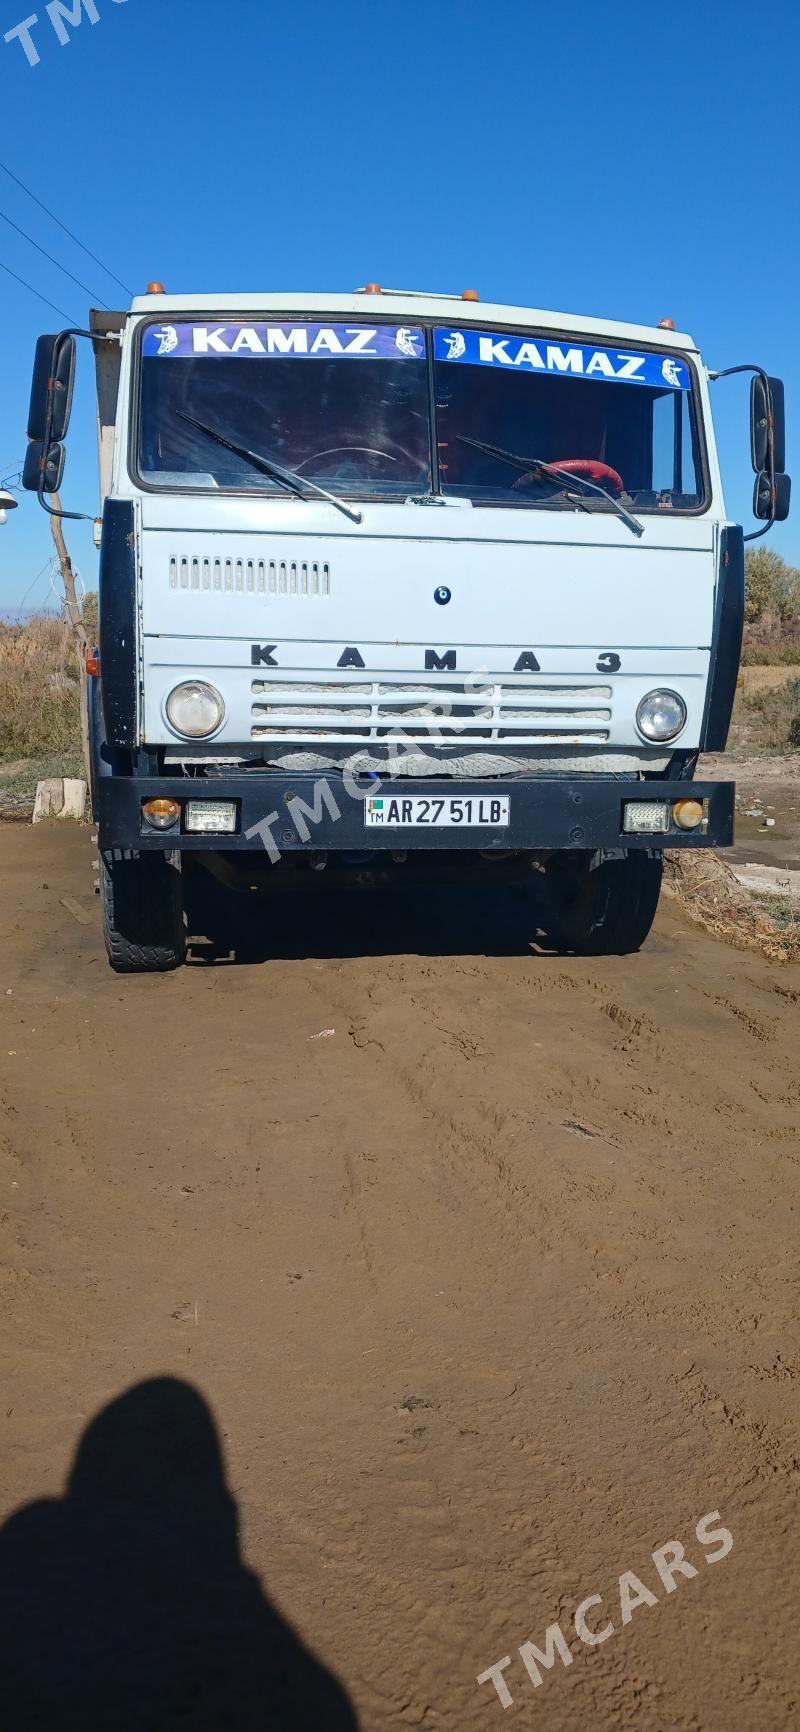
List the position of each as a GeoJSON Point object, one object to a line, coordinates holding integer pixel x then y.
{"type": "Point", "coordinates": [428, 708]}
{"type": "Point", "coordinates": [265, 577]}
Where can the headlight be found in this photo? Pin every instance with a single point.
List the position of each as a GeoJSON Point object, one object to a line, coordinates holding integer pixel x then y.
{"type": "Point", "coordinates": [661, 715]}
{"type": "Point", "coordinates": [195, 709]}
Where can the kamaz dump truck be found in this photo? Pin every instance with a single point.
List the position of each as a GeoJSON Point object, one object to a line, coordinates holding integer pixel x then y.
{"type": "Point", "coordinates": [403, 587]}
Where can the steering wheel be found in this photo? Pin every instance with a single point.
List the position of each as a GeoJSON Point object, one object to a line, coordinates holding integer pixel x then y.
{"type": "Point", "coordinates": [589, 466]}
{"type": "Point", "coordinates": [365, 450]}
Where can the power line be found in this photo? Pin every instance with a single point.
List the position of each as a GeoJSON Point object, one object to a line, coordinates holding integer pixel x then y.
{"type": "Point", "coordinates": [39, 297]}
{"type": "Point", "coordinates": [46, 255]}
{"type": "Point", "coordinates": [55, 219]}
{"type": "Point", "coordinates": [61, 599]}
{"type": "Point", "coordinates": [39, 575]}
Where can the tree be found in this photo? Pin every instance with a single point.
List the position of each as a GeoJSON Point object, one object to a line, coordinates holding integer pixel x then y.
{"type": "Point", "coordinates": [772, 588]}
{"type": "Point", "coordinates": [89, 612]}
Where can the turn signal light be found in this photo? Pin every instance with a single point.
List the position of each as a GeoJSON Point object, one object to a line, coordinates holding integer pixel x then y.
{"type": "Point", "coordinates": [688, 814]}
{"type": "Point", "coordinates": [93, 663]}
{"type": "Point", "coordinates": [161, 814]}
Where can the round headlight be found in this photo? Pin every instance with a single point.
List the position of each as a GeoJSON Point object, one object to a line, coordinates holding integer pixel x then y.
{"type": "Point", "coordinates": [195, 710]}
{"type": "Point", "coordinates": [661, 715]}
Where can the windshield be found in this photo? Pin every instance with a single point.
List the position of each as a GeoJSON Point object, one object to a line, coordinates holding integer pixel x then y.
{"type": "Point", "coordinates": [621, 420]}
{"type": "Point", "coordinates": [345, 406]}
{"type": "Point", "coordinates": [348, 408]}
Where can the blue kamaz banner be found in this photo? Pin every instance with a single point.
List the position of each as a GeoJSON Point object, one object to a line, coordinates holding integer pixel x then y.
{"type": "Point", "coordinates": [302, 342]}
{"type": "Point", "coordinates": [573, 360]}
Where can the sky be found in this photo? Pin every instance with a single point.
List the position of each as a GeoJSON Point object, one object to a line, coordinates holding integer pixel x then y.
{"type": "Point", "coordinates": [627, 160]}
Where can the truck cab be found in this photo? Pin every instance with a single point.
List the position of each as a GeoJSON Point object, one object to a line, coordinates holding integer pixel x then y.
{"type": "Point", "coordinates": [406, 584]}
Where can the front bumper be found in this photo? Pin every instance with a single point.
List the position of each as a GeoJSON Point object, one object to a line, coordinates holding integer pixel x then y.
{"type": "Point", "coordinates": [546, 813]}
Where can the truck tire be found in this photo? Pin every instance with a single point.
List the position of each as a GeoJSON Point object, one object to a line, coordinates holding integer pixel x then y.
{"type": "Point", "coordinates": [604, 906]}
{"type": "Point", "coordinates": [142, 901]}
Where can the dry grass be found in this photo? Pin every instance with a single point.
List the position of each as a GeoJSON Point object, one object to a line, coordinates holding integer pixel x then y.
{"type": "Point", "coordinates": [772, 640]}
{"type": "Point", "coordinates": [713, 898]}
{"type": "Point", "coordinates": [39, 691]}
{"type": "Point", "coordinates": [767, 675]}
{"type": "Point", "coordinates": [781, 652]}
{"type": "Point", "coordinates": [777, 709]}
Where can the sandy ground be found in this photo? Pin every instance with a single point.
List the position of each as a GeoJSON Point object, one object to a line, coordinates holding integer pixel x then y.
{"type": "Point", "coordinates": [484, 1297]}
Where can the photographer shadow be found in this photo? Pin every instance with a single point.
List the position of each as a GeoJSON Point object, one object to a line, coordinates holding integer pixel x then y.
{"type": "Point", "coordinates": [126, 1606]}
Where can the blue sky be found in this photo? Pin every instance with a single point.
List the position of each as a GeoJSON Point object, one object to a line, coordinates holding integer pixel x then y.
{"type": "Point", "coordinates": [625, 160]}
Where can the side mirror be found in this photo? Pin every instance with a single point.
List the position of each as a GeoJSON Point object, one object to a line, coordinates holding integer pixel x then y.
{"type": "Point", "coordinates": [52, 388]}
{"type": "Point", "coordinates": [43, 469]}
{"type": "Point", "coordinates": [50, 409]}
{"type": "Point", "coordinates": [772, 497]}
{"type": "Point", "coordinates": [767, 424]}
{"type": "Point", "coordinates": [767, 446]}
{"type": "Point", "coordinates": [49, 415]}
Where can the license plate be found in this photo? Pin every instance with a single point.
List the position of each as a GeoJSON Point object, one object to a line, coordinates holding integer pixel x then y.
{"type": "Point", "coordinates": [444, 812]}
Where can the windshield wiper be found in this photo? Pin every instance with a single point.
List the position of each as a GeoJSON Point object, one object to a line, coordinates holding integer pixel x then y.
{"type": "Point", "coordinates": [297, 484]}
{"type": "Point", "coordinates": [527, 464]}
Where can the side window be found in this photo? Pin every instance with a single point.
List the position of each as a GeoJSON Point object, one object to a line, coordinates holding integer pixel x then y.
{"type": "Point", "coordinates": [674, 469]}
{"type": "Point", "coordinates": [664, 411]}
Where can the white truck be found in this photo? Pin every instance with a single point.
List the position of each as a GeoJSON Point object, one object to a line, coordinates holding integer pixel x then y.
{"type": "Point", "coordinates": [404, 586]}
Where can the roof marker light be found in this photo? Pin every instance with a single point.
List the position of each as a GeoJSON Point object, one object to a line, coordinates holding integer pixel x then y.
{"type": "Point", "coordinates": [666, 324]}
{"type": "Point", "coordinates": [156, 289]}
{"type": "Point", "coordinates": [470, 295]}
{"type": "Point", "coordinates": [373, 289]}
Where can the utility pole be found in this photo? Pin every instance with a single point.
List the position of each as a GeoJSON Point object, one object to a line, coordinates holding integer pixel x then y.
{"type": "Point", "coordinates": [68, 578]}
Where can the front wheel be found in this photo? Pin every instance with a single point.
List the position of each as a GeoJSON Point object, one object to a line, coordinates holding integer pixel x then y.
{"type": "Point", "coordinates": [142, 901]}
{"type": "Point", "coordinates": [604, 905]}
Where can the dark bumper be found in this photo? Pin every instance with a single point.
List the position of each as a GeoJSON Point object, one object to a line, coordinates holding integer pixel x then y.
{"type": "Point", "coordinates": [545, 814]}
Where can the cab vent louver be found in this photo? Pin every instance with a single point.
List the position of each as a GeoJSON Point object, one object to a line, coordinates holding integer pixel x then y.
{"type": "Point", "coordinates": [268, 577]}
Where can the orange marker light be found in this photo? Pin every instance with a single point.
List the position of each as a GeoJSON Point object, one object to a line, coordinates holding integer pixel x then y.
{"type": "Point", "coordinates": [666, 324]}
{"type": "Point", "coordinates": [93, 663]}
{"type": "Point", "coordinates": [373, 289]}
{"type": "Point", "coordinates": [156, 289]}
{"type": "Point", "coordinates": [689, 814]}
{"type": "Point", "coordinates": [161, 814]}
{"type": "Point", "coordinates": [470, 295]}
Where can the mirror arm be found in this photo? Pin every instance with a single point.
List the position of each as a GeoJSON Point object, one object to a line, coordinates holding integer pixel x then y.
{"type": "Point", "coordinates": [748, 367]}
{"type": "Point", "coordinates": [76, 516]}
{"type": "Point", "coordinates": [753, 534]}
{"type": "Point", "coordinates": [725, 372]}
{"type": "Point", "coordinates": [72, 516]}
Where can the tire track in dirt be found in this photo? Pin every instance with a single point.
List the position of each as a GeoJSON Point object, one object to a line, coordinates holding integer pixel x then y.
{"type": "Point", "coordinates": [491, 1292]}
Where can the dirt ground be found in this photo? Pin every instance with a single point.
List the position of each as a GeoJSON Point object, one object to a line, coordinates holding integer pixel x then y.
{"type": "Point", "coordinates": [486, 1294]}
